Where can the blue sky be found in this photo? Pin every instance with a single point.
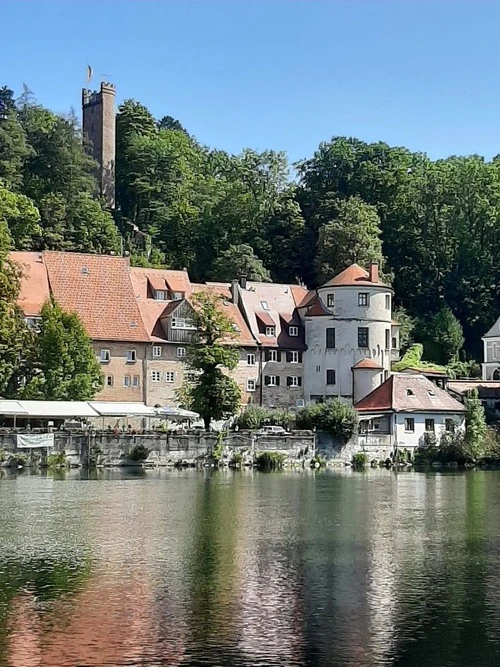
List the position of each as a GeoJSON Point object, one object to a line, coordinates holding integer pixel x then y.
{"type": "Point", "coordinates": [282, 74]}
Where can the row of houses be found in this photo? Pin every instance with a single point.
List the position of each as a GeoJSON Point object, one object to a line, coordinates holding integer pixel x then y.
{"type": "Point", "coordinates": [295, 346]}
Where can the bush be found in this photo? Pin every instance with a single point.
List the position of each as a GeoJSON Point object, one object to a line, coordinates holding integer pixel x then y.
{"type": "Point", "coordinates": [254, 417]}
{"type": "Point", "coordinates": [138, 453]}
{"type": "Point", "coordinates": [359, 460]}
{"type": "Point", "coordinates": [267, 461]}
{"type": "Point", "coordinates": [236, 459]}
{"type": "Point", "coordinates": [218, 449]}
{"type": "Point", "coordinates": [56, 460]}
{"type": "Point", "coordinates": [332, 416]}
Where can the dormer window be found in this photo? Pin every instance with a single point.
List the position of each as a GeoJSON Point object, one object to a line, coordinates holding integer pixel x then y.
{"type": "Point", "coordinates": [293, 331]}
{"type": "Point", "coordinates": [270, 331]}
{"type": "Point", "coordinates": [160, 295]}
{"type": "Point", "coordinates": [177, 296]}
{"type": "Point", "coordinates": [330, 300]}
{"type": "Point", "coordinates": [182, 323]}
{"type": "Point", "coordinates": [265, 305]}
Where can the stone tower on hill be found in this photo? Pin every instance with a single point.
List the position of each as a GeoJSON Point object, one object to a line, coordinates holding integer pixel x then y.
{"type": "Point", "coordinates": [98, 109]}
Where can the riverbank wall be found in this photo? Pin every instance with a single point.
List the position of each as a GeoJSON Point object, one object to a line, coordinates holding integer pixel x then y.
{"type": "Point", "coordinates": [171, 448]}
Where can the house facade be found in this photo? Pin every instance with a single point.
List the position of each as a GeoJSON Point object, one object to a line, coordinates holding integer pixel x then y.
{"type": "Point", "coordinates": [491, 353]}
{"type": "Point", "coordinates": [406, 408]}
{"type": "Point", "coordinates": [271, 312]}
{"type": "Point", "coordinates": [350, 336]}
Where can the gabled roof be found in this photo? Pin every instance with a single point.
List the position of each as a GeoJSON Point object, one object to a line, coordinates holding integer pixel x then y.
{"type": "Point", "coordinates": [368, 364]}
{"type": "Point", "coordinates": [265, 319]}
{"type": "Point", "coordinates": [34, 282]}
{"type": "Point", "coordinates": [301, 295]}
{"type": "Point", "coordinates": [353, 276]}
{"type": "Point", "coordinates": [485, 388]}
{"type": "Point", "coordinates": [99, 290]}
{"type": "Point", "coordinates": [278, 301]}
{"type": "Point", "coordinates": [408, 393]}
{"type": "Point", "coordinates": [494, 332]}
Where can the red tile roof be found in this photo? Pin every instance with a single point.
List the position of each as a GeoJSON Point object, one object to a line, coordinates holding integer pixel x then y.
{"type": "Point", "coordinates": [301, 295]}
{"type": "Point", "coordinates": [368, 363]}
{"type": "Point", "coordinates": [265, 319]}
{"type": "Point", "coordinates": [34, 290]}
{"type": "Point", "coordinates": [317, 309]}
{"type": "Point", "coordinates": [353, 276]}
{"type": "Point", "coordinates": [408, 393]}
{"type": "Point", "coordinates": [99, 290]}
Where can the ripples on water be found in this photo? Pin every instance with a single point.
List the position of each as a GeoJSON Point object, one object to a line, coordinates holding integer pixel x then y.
{"type": "Point", "coordinates": [187, 568]}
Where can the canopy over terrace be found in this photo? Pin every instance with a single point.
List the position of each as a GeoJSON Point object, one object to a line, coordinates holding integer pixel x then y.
{"type": "Point", "coordinates": [123, 410]}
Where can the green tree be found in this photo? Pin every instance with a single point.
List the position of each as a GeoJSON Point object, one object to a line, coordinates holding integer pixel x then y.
{"type": "Point", "coordinates": [212, 394]}
{"type": "Point", "coordinates": [442, 336]}
{"type": "Point", "coordinates": [169, 123]}
{"type": "Point", "coordinates": [66, 365]}
{"type": "Point", "coordinates": [475, 425]}
{"type": "Point", "coordinates": [406, 327]}
{"type": "Point", "coordinates": [353, 235]}
{"type": "Point", "coordinates": [14, 149]}
{"type": "Point", "coordinates": [239, 261]}
{"type": "Point", "coordinates": [21, 217]}
{"type": "Point", "coordinates": [332, 416]}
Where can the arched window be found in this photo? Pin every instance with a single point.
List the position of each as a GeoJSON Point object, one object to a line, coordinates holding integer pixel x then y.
{"type": "Point", "coordinates": [496, 374]}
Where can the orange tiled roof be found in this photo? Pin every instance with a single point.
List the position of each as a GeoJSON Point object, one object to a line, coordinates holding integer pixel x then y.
{"type": "Point", "coordinates": [367, 363]}
{"type": "Point", "coordinates": [99, 290]}
{"type": "Point", "coordinates": [317, 309]}
{"type": "Point", "coordinates": [34, 282]}
{"type": "Point", "coordinates": [353, 276]}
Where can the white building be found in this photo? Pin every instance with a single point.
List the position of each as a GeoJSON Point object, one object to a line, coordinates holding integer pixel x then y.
{"type": "Point", "coordinates": [491, 353]}
{"type": "Point", "coordinates": [404, 409]}
{"type": "Point", "coordinates": [350, 336]}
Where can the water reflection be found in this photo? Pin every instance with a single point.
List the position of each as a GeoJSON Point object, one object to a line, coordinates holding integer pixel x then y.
{"type": "Point", "coordinates": [222, 568]}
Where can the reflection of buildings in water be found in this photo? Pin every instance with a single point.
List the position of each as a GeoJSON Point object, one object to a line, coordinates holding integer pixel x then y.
{"type": "Point", "coordinates": [271, 594]}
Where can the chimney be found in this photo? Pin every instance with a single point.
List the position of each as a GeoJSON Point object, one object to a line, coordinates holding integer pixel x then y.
{"type": "Point", "coordinates": [373, 273]}
{"type": "Point", "coordinates": [234, 292]}
{"type": "Point", "coordinates": [243, 282]}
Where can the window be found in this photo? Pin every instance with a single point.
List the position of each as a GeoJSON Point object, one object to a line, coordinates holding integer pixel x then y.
{"type": "Point", "coordinates": [394, 343]}
{"type": "Point", "coordinates": [110, 380]}
{"type": "Point", "coordinates": [429, 425]}
{"type": "Point", "coordinates": [363, 298]}
{"type": "Point", "coordinates": [156, 350]}
{"type": "Point", "coordinates": [410, 392]}
{"type": "Point", "coordinates": [449, 425]}
{"type": "Point", "coordinates": [293, 357]}
{"type": "Point", "coordinates": [177, 296]}
{"type": "Point", "coordinates": [387, 338]}
{"type": "Point", "coordinates": [330, 338]}
{"type": "Point", "coordinates": [293, 331]}
{"type": "Point", "coordinates": [272, 380]}
{"type": "Point", "coordinates": [330, 376]}
{"type": "Point", "coordinates": [318, 369]}
{"type": "Point", "coordinates": [294, 381]}
{"type": "Point", "coordinates": [265, 305]}
{"type": "Point", "coordinates": [155, 376]}
{"type": "Point", "coordinates": [273, 355]}
{"type": "Point", "coordinates": [409, 425]}
{"type": "Point", "coordinates": [250, 359]}
{"type": "Point", "coordinates": [126, 381]}
{"type": "Point", "coordinates": [388, 301]}
{"type": "Point", "coordinates": [330, 300]}
{"type": "Point", "coordinates": [270, 331]}
{"type": "Point", "coordinates": [136, 381]}
{"type": "Point", "coordinates": [496, 374]}
{"type": "Point", "coordinates": [251, 384]}
{"type": "Point", "coordinates": [182, 323]}
{"type": "Point", "coordinates": [104, 356]}
{"type": "Point", "coordinates": [181, 352]}
{"type": "Point", "coordinates": [160, 295]}
{"type": "Point", "coordinates": [363, 337]}
{"type": "Point", "coordinates": [431, 393]}
{"type": "Point", "coordinates": [131, 356]}
{"type": "Point", "coordinates": [170, 376]}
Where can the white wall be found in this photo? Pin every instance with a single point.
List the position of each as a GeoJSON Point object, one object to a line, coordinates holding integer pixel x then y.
{"type": "Point", "coordinates": [416, 439]}
{"type": "Point", "coordinates": [346, 318]}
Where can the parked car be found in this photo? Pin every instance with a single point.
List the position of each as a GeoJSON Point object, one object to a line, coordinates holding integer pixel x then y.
{"type": "Point", "coordinates": [272, 430]}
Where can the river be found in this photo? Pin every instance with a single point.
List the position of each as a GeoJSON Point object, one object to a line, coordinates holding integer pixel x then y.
{"type": "Point", "coordinates": [244, 568]}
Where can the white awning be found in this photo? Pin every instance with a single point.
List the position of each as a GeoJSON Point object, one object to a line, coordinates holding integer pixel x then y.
{"type": "Point", "coordinates": [115, 409]}
{"type": "Point", "coordinates": [57, 409]}
{"type": "Point", "coordinates": [169, 412]}
{"type": "Point", "coordinates": [12, 408]}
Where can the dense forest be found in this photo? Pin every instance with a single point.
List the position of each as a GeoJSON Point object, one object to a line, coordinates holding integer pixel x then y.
{"type": "Point", "coordinates": [433, 225]}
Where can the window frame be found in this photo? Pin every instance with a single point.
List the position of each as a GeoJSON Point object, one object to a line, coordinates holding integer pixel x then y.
{"type": "Point", "coordinates": [169, 377]}
{"type": "Point", "coordinates": [430, 423]}
{"type": "Point", "coordinates": [155, 376]}
{"type": "Point", "coordinates": [447, 423]}
{"type": "Point", "coordinates": [387, 301]}
{"type": "Point", "coordinates": [155, 348]}
{"type": "Point", "coordinates": [270, 332]}
{"type": "Point", "coordinates": [108, 383]}
{"type": "Point", "coordinates": [252, 388]}
{"type": "Point", "coordinates": [127, 381]}
{"type": "Point", "coordinates": [264, 305]}
{"type": "Point", "coordinates": [366, 332]}
{"type": "Point", "coordinates": [273, 353]}
{"type": "Point", "coordinates": [136, 381]}
{"type": "Point", "coordinates": [409, 424]}
{"type": "Point", "coordinates": [331, 335]}
{"type": "Point", "coordinates": [159, 292]}
{"type": "Point", "coordinates": [295, 381]}
{"type": "Point", "coordinates": [107, 355]}
{"type": "Point", "coordinates": [363, 299]}
{"type": "Point", "coordinates": [131, 356]}
{"type": "Point", "coordinates": [329, 371]}
{"type": "Point", "coordinates": [387, 339]}
{"type": "Point", "coordinates": [295, 329]}
{"type": "Point", "coordinates": [294, 357]}
{"type": "Point", "coordinates": [330, 300]}
{"type": "Point", "coordinates": [274, 383]}
{"type": "Point", "coordinates": [250, 355]}
{"type": "Point", "coordinates": [181, 355]}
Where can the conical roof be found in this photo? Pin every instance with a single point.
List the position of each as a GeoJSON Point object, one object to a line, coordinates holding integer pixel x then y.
{"type": "Point", "coordinates": [351, 277]}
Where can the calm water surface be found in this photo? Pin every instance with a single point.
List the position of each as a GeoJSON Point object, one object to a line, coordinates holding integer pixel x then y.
{"type": "Point", "coordinates": [189, 568]}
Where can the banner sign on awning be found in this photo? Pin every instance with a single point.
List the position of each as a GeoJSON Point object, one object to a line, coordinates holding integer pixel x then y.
{"type": "Point", "coordinates": [34, 440]}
